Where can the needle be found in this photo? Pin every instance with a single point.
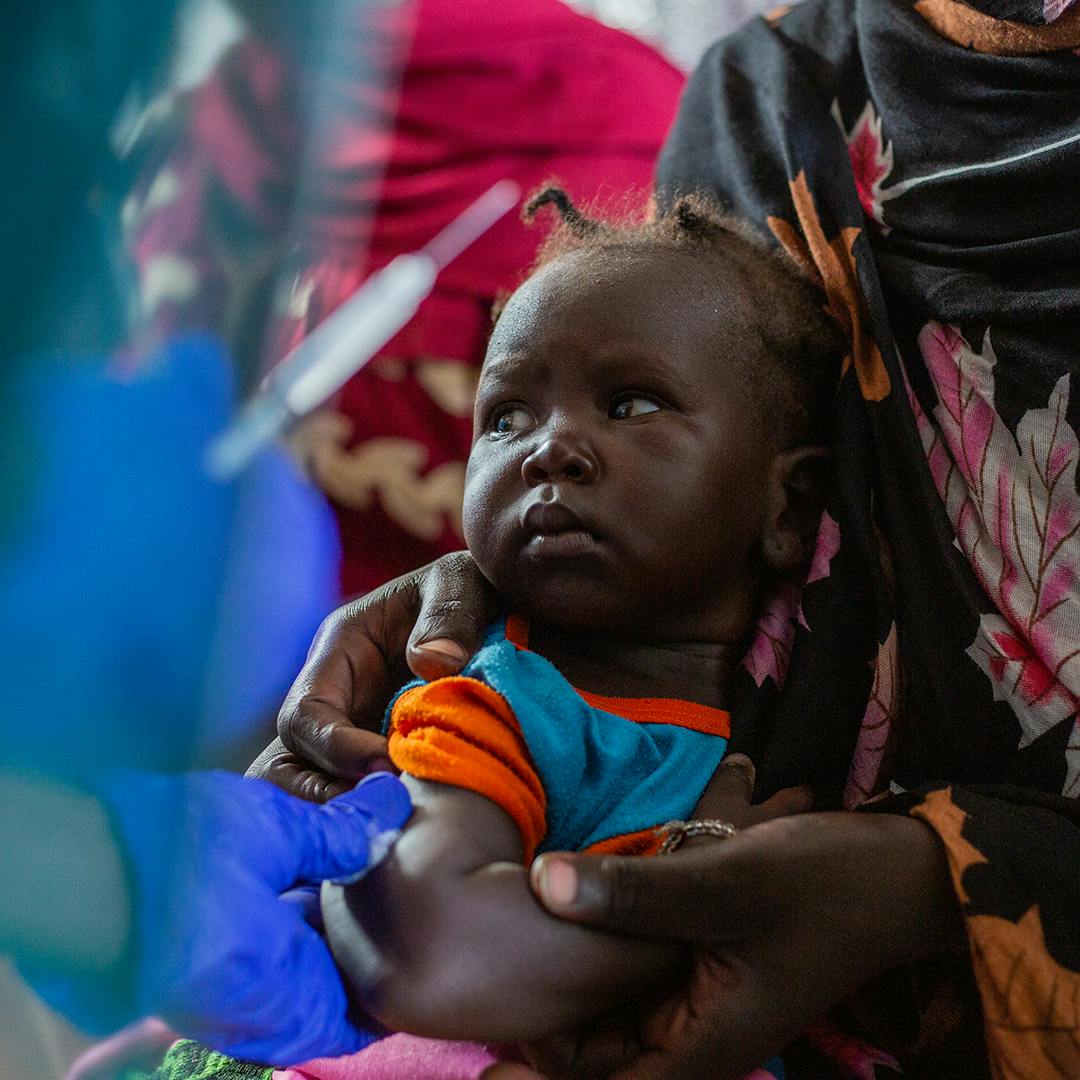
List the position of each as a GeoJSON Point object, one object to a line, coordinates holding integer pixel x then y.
{"type": "Point", "coordinates": [348, 338]}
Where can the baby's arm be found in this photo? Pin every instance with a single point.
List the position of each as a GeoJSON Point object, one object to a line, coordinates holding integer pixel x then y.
{"type": "Point", "coordinates": [445, 938]}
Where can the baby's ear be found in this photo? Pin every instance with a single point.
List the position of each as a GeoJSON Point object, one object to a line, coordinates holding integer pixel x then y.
{"type": "Point", "coordinates": [798, 483]}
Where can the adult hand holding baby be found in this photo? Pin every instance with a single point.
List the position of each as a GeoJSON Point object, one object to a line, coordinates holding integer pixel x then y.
{"type": "Point", "coordinates": [783, 920]}
{"type": "Point", "coordinates": [328, 726]}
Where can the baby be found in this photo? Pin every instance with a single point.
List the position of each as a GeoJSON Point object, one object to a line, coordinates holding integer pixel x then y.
{"type": "Point", "coordinates": [649, 453]}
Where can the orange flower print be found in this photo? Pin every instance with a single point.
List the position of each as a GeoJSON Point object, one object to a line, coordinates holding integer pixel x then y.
{"type": "Point", "coordinates": [1031, 1003]}
{"type": "Point", "coordinates": [832, 263]}
{"type": "Point", "coordinates": [773, 16]}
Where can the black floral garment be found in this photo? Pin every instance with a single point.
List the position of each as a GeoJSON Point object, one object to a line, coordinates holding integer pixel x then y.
{"type": "Point", "coordinates": [922, 161]}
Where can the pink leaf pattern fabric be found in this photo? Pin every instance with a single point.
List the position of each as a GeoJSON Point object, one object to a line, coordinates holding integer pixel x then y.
{"type": "Point", "coordinates": [857, 1059]}
{"type": "Point", "coordinates": [1014, 506]}
{"type": "Point", "coordinates": [774, 635]}
{"type": "Point", "coordinates": [871, 160]}
{"type": "Point", "coordinates": [770, 649]}
{"type": "Point", "coordinates": [871, 760]}
{"type": "Point", "coordinates": [826, 547]}
{"type": "Point", "coordinates": [1054, 9]}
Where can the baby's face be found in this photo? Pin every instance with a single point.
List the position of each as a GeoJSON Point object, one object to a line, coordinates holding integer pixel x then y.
{"type": "Point", "coordinates": [618, 472]}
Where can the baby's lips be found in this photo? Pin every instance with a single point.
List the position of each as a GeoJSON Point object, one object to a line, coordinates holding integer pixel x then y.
{"type": "Point", "coordinates": [552, 517]}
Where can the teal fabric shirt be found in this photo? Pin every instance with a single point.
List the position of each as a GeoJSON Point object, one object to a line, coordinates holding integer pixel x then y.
{"type": "Point", "coordinates": [604, 774]}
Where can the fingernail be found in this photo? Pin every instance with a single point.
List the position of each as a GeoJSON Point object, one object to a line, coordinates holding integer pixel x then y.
{"type": "Point", "coordinates": [739, 761]}
{"type": "Point", "coordinates": [445, 647]}
{"type": "Point", "coordinates": [557, 883]}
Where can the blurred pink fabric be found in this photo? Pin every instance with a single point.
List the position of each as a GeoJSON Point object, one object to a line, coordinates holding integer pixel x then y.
{"type": "Point", "coordinates": [400, 1057]}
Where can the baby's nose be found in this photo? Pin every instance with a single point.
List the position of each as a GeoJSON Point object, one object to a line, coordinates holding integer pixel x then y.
{"type": "Point", "coordinates": [560, 457]}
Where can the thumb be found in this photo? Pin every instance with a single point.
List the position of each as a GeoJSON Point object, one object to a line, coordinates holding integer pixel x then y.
{"type": "Point", "coordinates": [681, 896]}
{"type": "Point", "coordinates": [353, 831]}
{"type": "Point", "coordinates": [456, 603]}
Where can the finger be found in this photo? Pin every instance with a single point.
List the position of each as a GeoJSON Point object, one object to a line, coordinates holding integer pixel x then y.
{"type": "Point", "coordinates": [456, 603]}
{"type": "Point", "coordinates": [683, 896]}
{"type": "Point", "coordinates": [593, 1054]}
{"type": "Point", "coordinates": [729, 792]}
{"type": "Point", "coordinates": [706, 1035]}
{"type": "Point", "coordinates": [344, 682]}
{"type": "Point", "coordinates": [381, 796]}
{"type": "Point", "coordinates": [553, 1055]}
{"type": "Point", "coordinates": [793, 800]}
{"type": "Point", "coordinates": [320, 737]}
{"type": "Point", "coordinates": [268, 759]}
{"type": "Point", "coordinates": [295, 776]}
{"type": "Point", "coordinates": [328, 742]}
{"type": "Point", "coordinates": [305, 898]}
{"type": "Point", "coordinates": [354, 665]}
{"type": "Point", "coordinates": [731, 1044]}
{"type": "Point", "coordinates": [336, 839]}
{"type": "Point", "coordinates": [294, 1015]}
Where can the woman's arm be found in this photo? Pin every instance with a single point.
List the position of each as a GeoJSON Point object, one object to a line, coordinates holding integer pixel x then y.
{"type": "Point", "coordinates": [785, 919]}
{"type": "Point", "coordinates": [794, 915]}
{"type": "Point", "coordinates": [445, 938]}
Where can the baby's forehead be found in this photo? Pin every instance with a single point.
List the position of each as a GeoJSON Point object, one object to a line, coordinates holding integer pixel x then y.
{"type": "Point", "coordinates": [627, 292]}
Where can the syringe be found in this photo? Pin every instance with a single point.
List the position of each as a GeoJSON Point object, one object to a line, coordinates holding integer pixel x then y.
{"type": "Point", "coordinates": [348, 338]}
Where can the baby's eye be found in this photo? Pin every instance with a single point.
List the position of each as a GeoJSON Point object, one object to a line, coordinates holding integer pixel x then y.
{"type": "Point", "coordinates": [622, 408]}
{"type": "Point", "coordinates": [510, 419]}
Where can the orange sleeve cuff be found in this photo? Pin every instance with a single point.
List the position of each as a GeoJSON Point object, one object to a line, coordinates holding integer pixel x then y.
{"type": "Point", "coordinates": [646, 842]}
{"type": "Point", "coordinates": [459, 731]}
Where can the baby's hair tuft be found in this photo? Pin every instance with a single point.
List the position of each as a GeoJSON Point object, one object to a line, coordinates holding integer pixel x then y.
{"type": "Point", "coordinates": [785, 309]}
{"type": "Point", "coordinates": [574, 220]}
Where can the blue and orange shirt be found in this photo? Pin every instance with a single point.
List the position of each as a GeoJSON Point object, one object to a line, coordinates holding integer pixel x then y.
{"type": "Point", "coordinates": [575, 771]}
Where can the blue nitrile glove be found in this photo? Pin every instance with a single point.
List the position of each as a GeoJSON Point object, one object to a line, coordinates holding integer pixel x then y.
{"type": "Point", "coordinates": [178, 609]}
{"type": "Point", "coordinates": [218, 954]}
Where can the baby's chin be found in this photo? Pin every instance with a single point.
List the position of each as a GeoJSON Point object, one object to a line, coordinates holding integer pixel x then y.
{"type": "Point", "coordinates": [576, 596]}
{"type": "Point", "coordinates": [574, 609]}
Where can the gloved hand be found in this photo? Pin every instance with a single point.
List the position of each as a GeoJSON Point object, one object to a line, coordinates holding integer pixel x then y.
{"type": "Point", "coordinates": [215, 950]}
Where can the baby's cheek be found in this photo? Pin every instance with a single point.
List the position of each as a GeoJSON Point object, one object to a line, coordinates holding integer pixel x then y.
{"type": "Point", "coordinates": [479, 501]}
{"type": "Point", "coordinates": [485, 520]}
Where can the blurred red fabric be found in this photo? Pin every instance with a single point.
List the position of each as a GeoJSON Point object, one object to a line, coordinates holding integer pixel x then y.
{"type": "Point", "coordinates": [417, 111]}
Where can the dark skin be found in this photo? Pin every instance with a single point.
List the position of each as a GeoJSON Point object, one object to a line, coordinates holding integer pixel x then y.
{"type": "Point", "coordinates": [341, 691]}
{"type": "Point", "coordinates": [774, 942]}
{"type": "Point", "coordinates": [911, 903]}
{"type": "Point", "coordinates": [872, 891]}
{"type": "Point", "coordinates": [328, 725]}
{"type": "Point", "coordinates": [614, 432]}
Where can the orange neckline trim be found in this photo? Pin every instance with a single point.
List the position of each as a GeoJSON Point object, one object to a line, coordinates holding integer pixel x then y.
{"type": "Point", "coordinates": [686, 714]}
